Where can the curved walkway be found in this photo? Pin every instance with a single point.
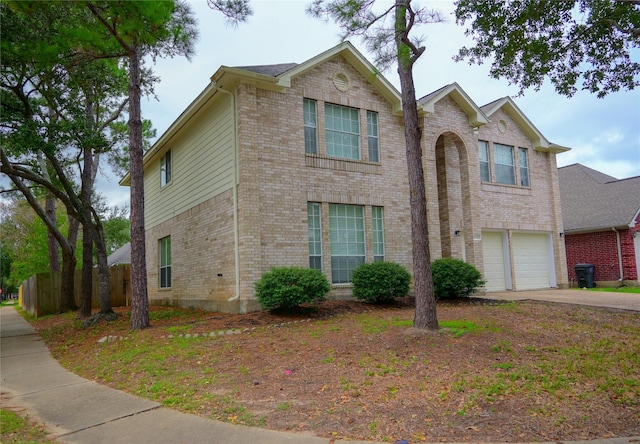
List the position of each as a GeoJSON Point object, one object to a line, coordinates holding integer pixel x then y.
{"type": "Point", "coordinates": [76, 410]}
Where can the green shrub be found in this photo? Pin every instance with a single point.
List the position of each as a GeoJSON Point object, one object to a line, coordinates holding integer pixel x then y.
{"type": "Point", "coordinates": [288, 287]}
{"type": "Point", "coordinates": [454, 278]}
{"type": "Point", "coordinates": [380, 282]}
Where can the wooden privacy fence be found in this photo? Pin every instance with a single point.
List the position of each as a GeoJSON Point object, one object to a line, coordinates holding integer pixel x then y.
{"type": "Point", "coordinates": [40, 294]}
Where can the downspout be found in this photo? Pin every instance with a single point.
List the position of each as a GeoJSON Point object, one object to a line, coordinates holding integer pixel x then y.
{"type": "Point", "coordinates": [236, 228]}
{"type": "Point", "coordinates": [619, 255]}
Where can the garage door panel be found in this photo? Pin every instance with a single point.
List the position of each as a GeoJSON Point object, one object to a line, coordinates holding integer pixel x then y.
{"type": "Point", "coordinates": [531, 261]}
{"type": "Point", "coordinates": [493, 258]}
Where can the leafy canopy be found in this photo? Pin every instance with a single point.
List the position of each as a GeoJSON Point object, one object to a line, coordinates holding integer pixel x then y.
{"type": "Point", "coordinates": [576, 44]}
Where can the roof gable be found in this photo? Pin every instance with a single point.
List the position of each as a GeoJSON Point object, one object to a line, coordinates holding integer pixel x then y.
{"type": "Point", "coordinates": [594, 201]}
{"type": "Point", "coordinates": [279, 77]}
{"type": "Point", "coordinates": [540, 143]}
{"type": "Point", "coordinates": [476, 116]}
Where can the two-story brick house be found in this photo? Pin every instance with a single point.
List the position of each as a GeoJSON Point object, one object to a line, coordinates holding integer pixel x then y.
{"type": "Point", "coordinates": [304, 164]}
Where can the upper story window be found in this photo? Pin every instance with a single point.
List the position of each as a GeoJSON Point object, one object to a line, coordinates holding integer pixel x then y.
{"type": "Point", "coordinates": [523, 160]}
{"type": "Point", "coordinates": [165, 169]}
{"type": "Point", "coordinates": [310, 126]}
{"type": "Point", "coordinates": [372, 136]}
{"type": "Point", "coordinates": [485, 165]}
{"type": "Point", "coordinates": [504, 165]}
{"type": "Point", "coordinates": [342, 131]}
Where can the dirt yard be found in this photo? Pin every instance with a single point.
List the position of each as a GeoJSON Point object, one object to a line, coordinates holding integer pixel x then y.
{"type": "Point", "coordinates": [496, 372]}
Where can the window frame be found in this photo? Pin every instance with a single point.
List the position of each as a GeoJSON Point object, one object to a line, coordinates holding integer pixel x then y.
{"type": "Point", "coordinates": [502, 168]}
{"type": "Point", "coordinates": [523, 167]}
{"type": "Point", "coordinates": [340, 129]}
{"type": "Point", "coordinates": [348, 240]}
{"type": "Point", "coordinates": [483, 145]}
{"type": "Point", "coordinates": [314, 227]}
{"type": "Point", "coordinates": [164, 262]}
{"type": "Point", "coordinates": [165, 169]}
{"type": "Point", "coordinates": [373, 136]}
{"type": "Point", "coordinates": [377, 231]}
{"type": "Point", "coordinates": [310, 125]}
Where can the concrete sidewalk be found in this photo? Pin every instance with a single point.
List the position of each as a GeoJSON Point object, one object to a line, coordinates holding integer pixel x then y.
{"type": "Point", "coordinates": [76, 410]}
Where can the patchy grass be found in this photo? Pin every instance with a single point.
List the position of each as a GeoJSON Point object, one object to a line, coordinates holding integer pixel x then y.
{"type": "Point", "coordinates": [635, 290]}
{"type": "Point", "coordinates": [352, 372]}
{"type": "Point", "coordinates": [16, 427]}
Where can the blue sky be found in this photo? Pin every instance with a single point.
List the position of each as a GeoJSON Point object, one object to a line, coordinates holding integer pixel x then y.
{"type": "Point", "coordinates": [604, 134]}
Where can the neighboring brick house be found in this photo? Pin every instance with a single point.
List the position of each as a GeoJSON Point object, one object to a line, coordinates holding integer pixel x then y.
{"type": "Point", "coordinates": [601, 223]}
{"type": "Point", "coordinates": [304, 164]}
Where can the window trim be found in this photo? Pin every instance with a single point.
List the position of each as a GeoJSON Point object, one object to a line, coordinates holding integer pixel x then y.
{"type": "Point", "coordinates": [331, 133]}
{"type": "Point", "coordinates": [164, 263]}
{"type": "Point", "coordinates": [314, 227]}
{"type": "Point", "coordinates": [346, 237]}
{"type": "Point", "coordinates": [373, 136]}
{"type": "Point", "coordinates": [309, 126]}
{"type": "Point", "coordinates": [165, 169]}
{"type": "Point", "coordinates": [523, 170]}
{"type": "Point", "coordinates": [483, 145]}
{"type": "Point", "coordinates": [377, 231]}
{"type": "Point", "coordinates": [498, 171]}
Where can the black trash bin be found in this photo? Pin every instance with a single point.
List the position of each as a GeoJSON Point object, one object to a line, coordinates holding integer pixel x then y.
{"type": "Point", "coordinates": [584, 273]}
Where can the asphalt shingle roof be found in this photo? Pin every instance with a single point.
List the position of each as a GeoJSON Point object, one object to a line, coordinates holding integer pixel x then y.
{"type": "Point", "coordinates": [592, 200]}
{"type": "Point", "coordinates": [269, 70]}
{"type": "Point", "coordinates": [121, 256]}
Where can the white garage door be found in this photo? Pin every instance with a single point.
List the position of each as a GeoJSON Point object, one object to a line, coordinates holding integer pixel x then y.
{"type": "Point", "coordinates": [531, 260]}
{"type": "Point", "coordinates": [493, 256]}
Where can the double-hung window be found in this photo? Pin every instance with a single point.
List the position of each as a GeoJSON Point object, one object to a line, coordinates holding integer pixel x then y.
{"type": "Point", "coordinates": [523, 161]}
{"type": "Point", "coordinates": [372, 135]}
{"type": "Point", "coordinates": [504, 164]}
{"type": "Point", "coordinates": [347, 240]}
{"type": "Point", "coordinates": [485, 168]}
{"type": "Point", "coordinates": [165, 169]}
{"type": "Point", "coordinates": [315, 235]}
{"type": "Point", "coordinates": [342, 131]}
{"type": "Point", "coordinates": [377, 222]}
{"type": "Point", "coordinates": [310, 126]}
{"type": "Point", "coordinates": [164, 246]}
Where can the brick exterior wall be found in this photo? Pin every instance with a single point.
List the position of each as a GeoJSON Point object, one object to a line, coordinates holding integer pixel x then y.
{"type": "Point", "coordinates": [276, 180]}
{"type": "Point", "coordinates": [202, 277]}
{"type": "Point", "coordinates": [601, 249]}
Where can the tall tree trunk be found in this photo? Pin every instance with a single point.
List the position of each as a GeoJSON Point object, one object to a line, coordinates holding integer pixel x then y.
{"type": "Point", "coordinates": [52, 243]}
{"type": "Point", "coordinates": [139, 296]}
{"type": "Point", "coordinates": [103, 269]}
{"type": "Point", "coordinates": [86, 293]}
{"type": "Point", "coordinates": [67, 286]}
{"type": "Point", "coordinates": [425, 315]}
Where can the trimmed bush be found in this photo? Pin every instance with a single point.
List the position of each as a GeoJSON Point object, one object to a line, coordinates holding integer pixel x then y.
{"type": "Point", "coordinates": [380, 282]}
{"type": "Point", "coordinates": [288, 287]}
{"type": "Point", "coordinates": [455, 278]}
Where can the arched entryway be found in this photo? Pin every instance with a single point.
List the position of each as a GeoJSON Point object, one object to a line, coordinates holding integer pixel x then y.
{"type": "Point", "coordinates": [454, 191]}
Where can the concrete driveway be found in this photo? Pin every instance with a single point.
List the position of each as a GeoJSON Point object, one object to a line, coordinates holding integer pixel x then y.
{"type": "Point", "coordinates": [622, 301]}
